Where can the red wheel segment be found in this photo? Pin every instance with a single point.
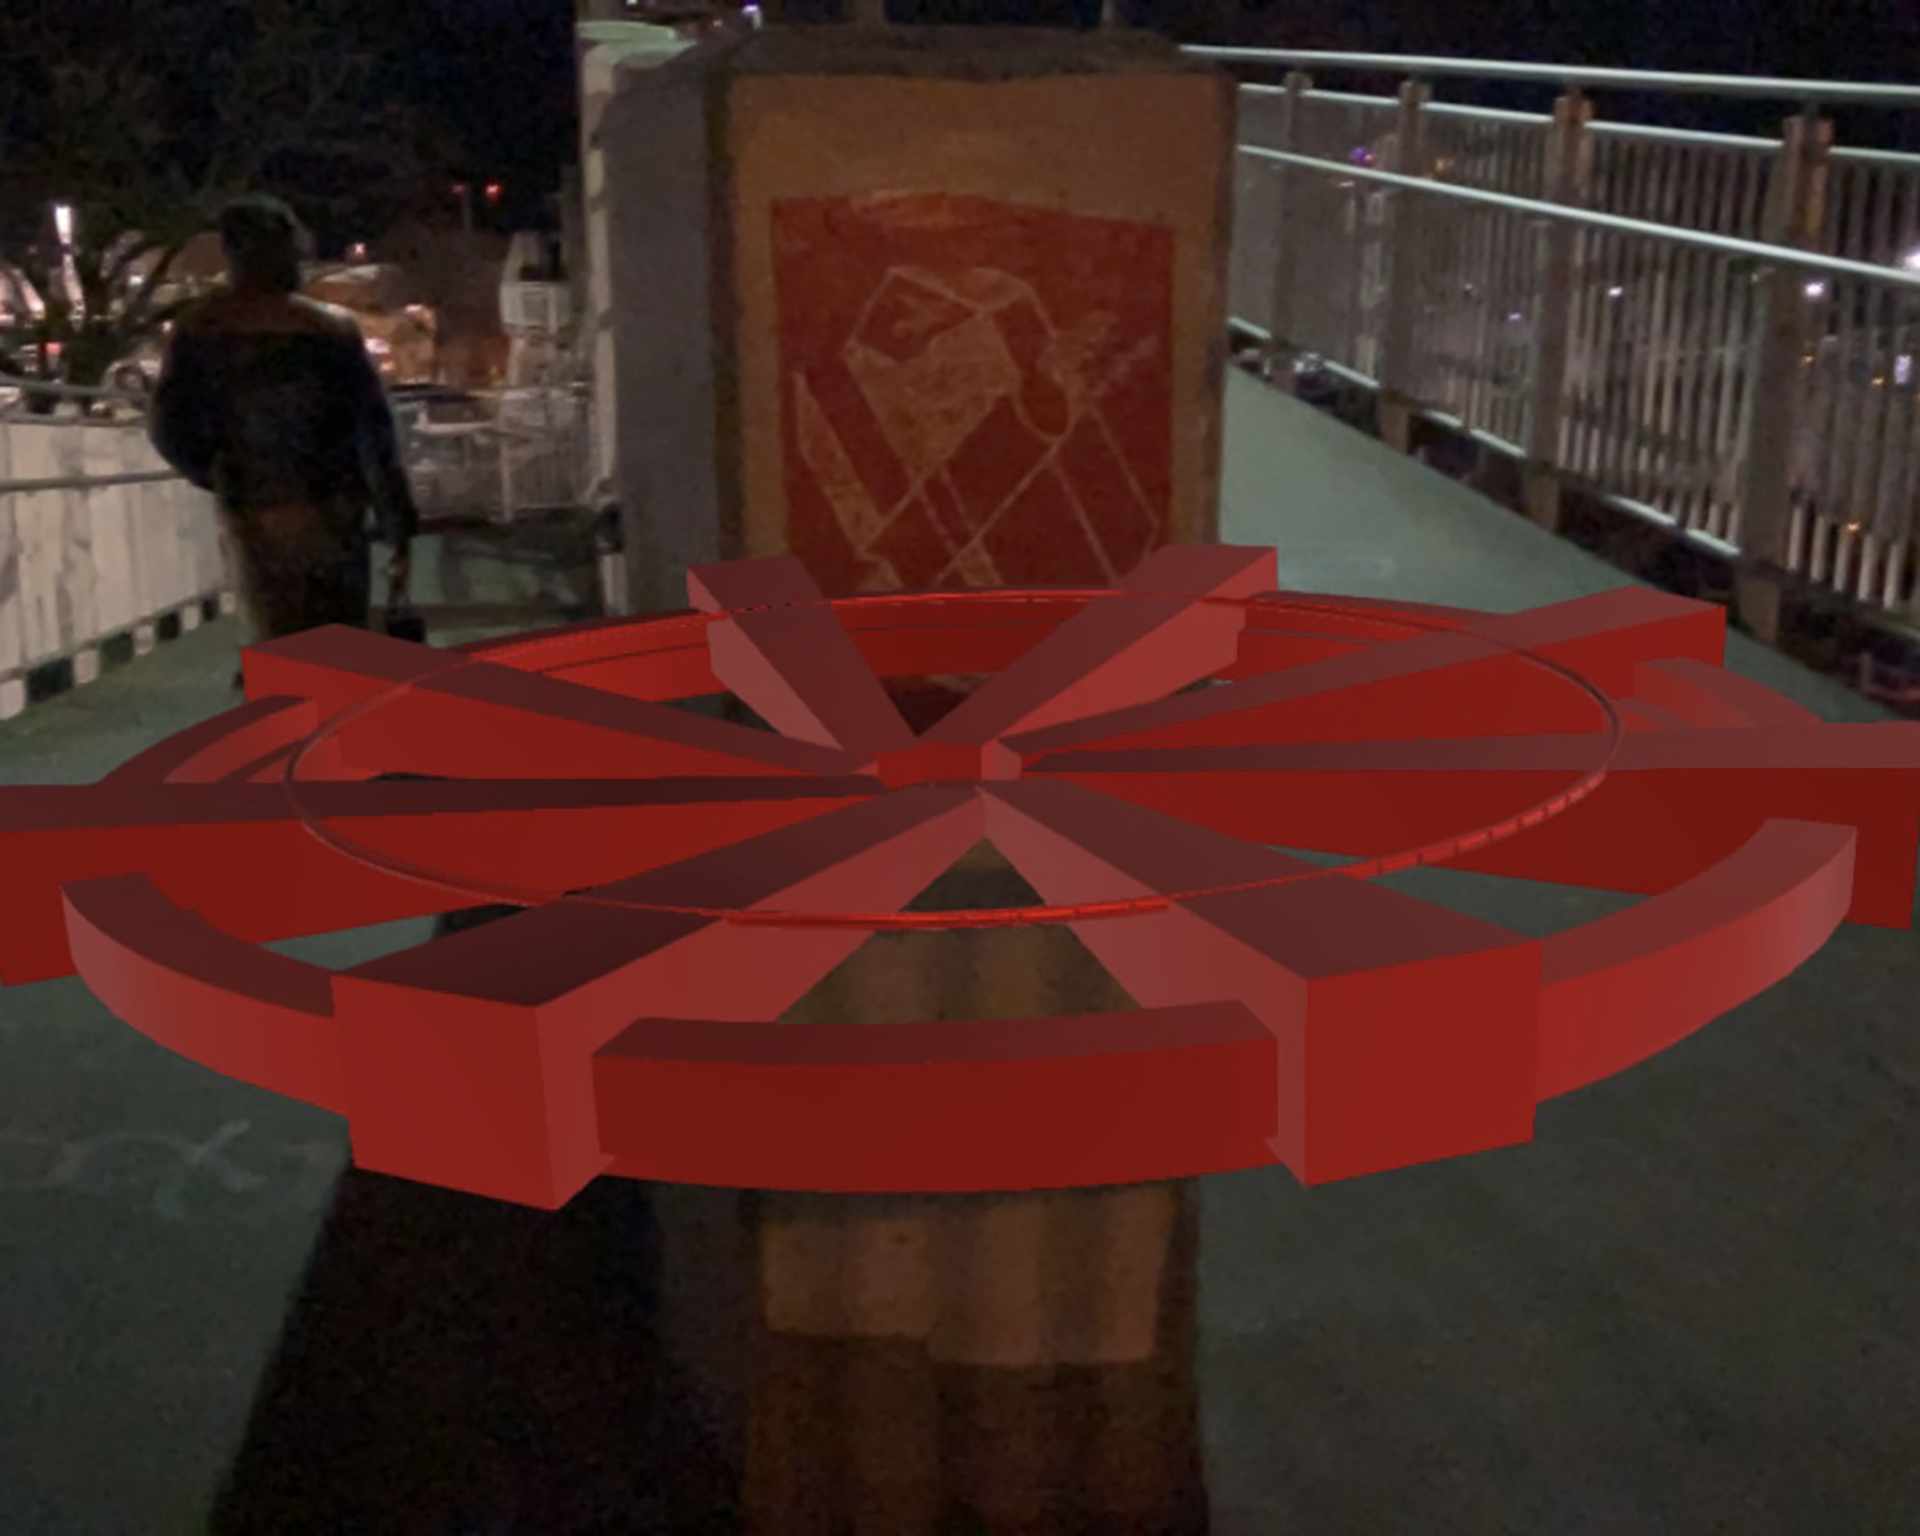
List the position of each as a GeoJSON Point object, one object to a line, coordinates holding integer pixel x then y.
{"type": "Point", "coordinates": [717, 872]}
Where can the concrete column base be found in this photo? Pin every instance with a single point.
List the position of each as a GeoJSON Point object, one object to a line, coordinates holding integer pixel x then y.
{"type": "Point", "coordinates": [1759, 599]}
{"type": "Point", "coordinates": [1397, 415]}
{"type": "Point", "coordinates": [1540, 496]}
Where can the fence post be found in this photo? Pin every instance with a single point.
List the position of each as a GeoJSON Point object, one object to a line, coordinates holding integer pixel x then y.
{"type": "Point", "coordinates": [1796, 216]}
{"type": "Point", "coordinates": [1559, 269]}
{"type": "Point", "coordinates": [1400, 332]}
{"type": "Point", "coordinates": [1282, 350]}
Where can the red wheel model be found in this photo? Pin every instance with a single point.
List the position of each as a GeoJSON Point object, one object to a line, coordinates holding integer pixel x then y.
{"type": "Point", "coordinates": [686, 879]}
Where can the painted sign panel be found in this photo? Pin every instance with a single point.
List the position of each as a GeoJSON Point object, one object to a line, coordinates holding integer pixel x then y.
{"type": "Point", "coordinates": [973, 392]}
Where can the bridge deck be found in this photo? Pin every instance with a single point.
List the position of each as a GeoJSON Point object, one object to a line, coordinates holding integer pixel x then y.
{"type": "Point", "coordinates": [1687, 1307]}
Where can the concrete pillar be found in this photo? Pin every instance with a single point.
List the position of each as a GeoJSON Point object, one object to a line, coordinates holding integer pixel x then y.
{"type": "Point", "coordinates": [930, 306]}
{"type": "Point", "coordinates": [1796, 216]}
{"type": "Point", "coordinates": [1557, 282]}
{"type": "Point", "coordinates": [935, 1362]}
{"type": "Point", "coordinates": [602, 47]}
{"type": "Point", "coordinates": [918, 305]}
{"type": "Point", "coordinates": [1403, 255]}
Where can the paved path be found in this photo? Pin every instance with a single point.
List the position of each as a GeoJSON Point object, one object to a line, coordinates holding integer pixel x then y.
{"type": "Point", "coordinates": [1689, 1307]}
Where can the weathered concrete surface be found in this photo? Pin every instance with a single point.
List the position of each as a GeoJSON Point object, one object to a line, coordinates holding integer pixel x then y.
{"type": "Point", "coordinates": [915, 304]}
{"type": "Point", "coordinates": [1686, 1308]}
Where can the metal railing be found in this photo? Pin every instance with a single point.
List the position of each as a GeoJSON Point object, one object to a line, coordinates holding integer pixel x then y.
{"type": "Point", "coordinates": [39, 400]}
{"type": "Point", "coordinates": [104, 540]}
{"type": "Point", "coordinates": [498, 455]}
{"type": "Point", "coordinates": [1716, 330]}
{"type": "Point", "coordinates": [501, 455]}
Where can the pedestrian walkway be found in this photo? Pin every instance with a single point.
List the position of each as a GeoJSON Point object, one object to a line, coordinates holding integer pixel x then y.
{"type": "Point", "coordinates": [1687, 1307]}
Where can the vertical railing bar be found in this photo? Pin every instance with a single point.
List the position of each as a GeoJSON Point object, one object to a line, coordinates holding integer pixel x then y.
{"type": "Point", "coordinates": [1716, 408]}
{"type": "Point", "coordinates": [1454, 314]}
{"type": "Point", "coordinates": [1615, 453]}
{"type": "Point", "coordinates": [1359, 337]}
{"type": "Point", "coordinates": [1690, 363]}
{"type": "Point", "coordinates": [1446, 144]}
{"type": "Point", "coordinates": [1475, 363]}
{"type": "Point", "coordinates": [1904, 473]}
{"type": "Point", "coordinates": [1660, 258]}
{"type": "Point", "coordinates": [1398, 266]}
{"type": "Point", "coordinates": [1529, 300]}
{"type": "Point", "coordinates": [1606, 453]}
{"type": "Point", "coordinates": [1878, 304]}
{"type": "Point", "coordinates": [1587, 299]}
{"type": "Point", "coordinates": [1515, 299]}
{"type": "Point", "coordinates": [1820, 542]}
{"type": "Point", "coordinates": [1826, 450]}
{"type": "Point", "coordinates": [1618, 363]}
{"type": "Point", "coordinates": [1641, 318]}
{"type": "Point", "coordinates": [1775, 400]}
{"type": "Point", "coordinates": [1845, 300]}
{"type": "Point", "coordinates": [1284, 279]}
{"type": "Point", "coordinates": [1667, 347]}
{"type": "Point", "coordinates": [1799, 536]}
{"type": "Point", "coordinates": [1493, 305]}
{"type": "Point", "coordinates": [1703, 180]}
{"type": "Point", "coordinates": [1587, 356]}
{"type": "Point", "coordinates": [1739, 311]}
{"type": "Point", "coordinates": [1553, 255]}
{"type": "Point", "coordinates": [1475, 396]}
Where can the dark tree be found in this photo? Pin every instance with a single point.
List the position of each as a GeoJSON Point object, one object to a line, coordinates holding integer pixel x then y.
{"type": "Point", "coordinates": [144, 118]}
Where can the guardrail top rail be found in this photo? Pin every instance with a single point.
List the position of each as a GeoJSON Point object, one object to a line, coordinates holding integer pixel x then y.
{"type": "Point", "coordinates": [1576, 77]}
{"type": "Point", "coordinates": [1720, 331]}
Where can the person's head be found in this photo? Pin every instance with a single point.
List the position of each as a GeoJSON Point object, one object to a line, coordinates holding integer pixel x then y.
{"type": "Point", "coordinates": [264, 244]}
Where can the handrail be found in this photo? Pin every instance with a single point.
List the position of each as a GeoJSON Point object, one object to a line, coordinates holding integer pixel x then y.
{"type": "Point", "coordinates": [1665, 135]}
{"type": "Point", "coordinates": [1576, 77]}
{"type": "Point", "coordinates": [61, 391]}
{"type": "Point", "coordinates": [1725, 245]}
{"type": "Point", "coordinates": [84, 482]}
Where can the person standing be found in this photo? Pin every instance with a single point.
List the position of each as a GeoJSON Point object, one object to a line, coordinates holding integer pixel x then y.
{"type": "Point", "coordinates": [269, 400]}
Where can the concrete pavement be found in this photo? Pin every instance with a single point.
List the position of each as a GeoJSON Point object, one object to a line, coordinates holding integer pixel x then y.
{"type": "Point", "coordinates": [1688, 1307]}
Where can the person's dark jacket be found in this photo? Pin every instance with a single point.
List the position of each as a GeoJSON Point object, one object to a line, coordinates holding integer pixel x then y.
{"type": "Point", "coordinates": [274, 402]}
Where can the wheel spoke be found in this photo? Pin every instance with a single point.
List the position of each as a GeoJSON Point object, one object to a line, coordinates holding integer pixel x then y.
{"type": "Point", "coordinates": [1348, 975]}
{"type": "Point", "coordinates": [683, 881]}
{"type": "Point", "coordinates": [470, 1059]}
{"type": "Point", "coordinates": [1675, 802]}
{"type": "Point", "coordinates": [782, 650]}
{"type": "Point", "coordinates": [200, 843]}
{"type": "Point", "coordinates": [1467, 683]}
{"type": "Point", "coordinates": [1154, 636]}
{"type": "Point", "coordinates": [1370, 799]}
{"type": "Point", "coordinates": [468, 719]}
{"type": "Point", "coordinates": [877, 855]}
{"type": "Point", "coordinates": [1672, 801]}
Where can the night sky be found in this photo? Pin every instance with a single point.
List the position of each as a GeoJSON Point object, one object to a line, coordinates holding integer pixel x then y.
{"type": "Point", "coordinates": [499, 73]}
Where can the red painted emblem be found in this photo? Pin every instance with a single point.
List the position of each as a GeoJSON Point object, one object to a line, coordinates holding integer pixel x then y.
{"type": "Point", "coordinates": [974, 393]}
{"type": "Point", "coordinates": [687, 880]}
